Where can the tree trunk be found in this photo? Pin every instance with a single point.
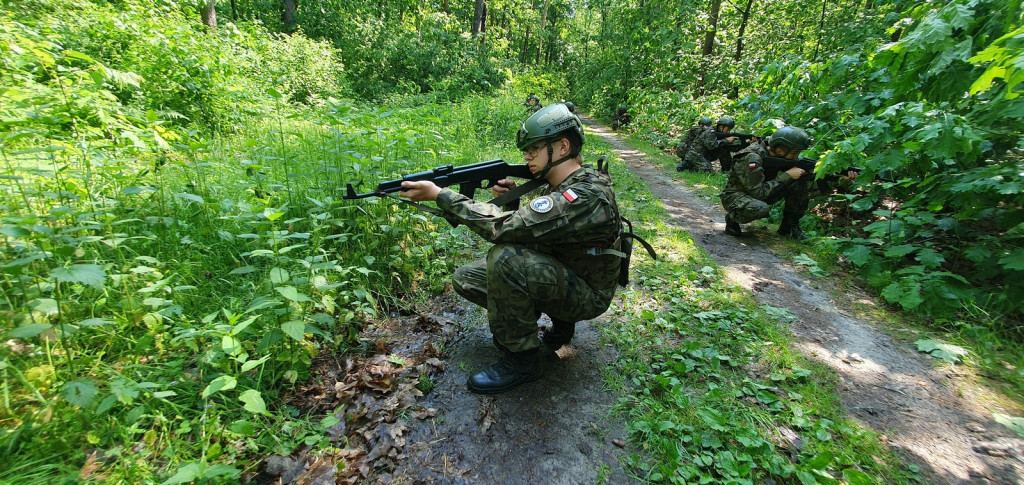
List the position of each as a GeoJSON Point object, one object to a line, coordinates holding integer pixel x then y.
{"type": "Point", "coordinates": [526, 44]}
{"type": "Point", "coordinates": [209, 14]}
{"type": "Point", "coordinates": [543, 21]}
{"type": "Point", "coordinates": [478, 18]}
{"type": "Point", "coordinates": [709, 44]}
{"type": "Point", "coordinates": [739, 41]}
{"type": "Point", "coordinates": [234, 12]}
{"type": "Point", "coordinates": [821, 31]}
{"type": "Point", "coordinates": [288, 15]}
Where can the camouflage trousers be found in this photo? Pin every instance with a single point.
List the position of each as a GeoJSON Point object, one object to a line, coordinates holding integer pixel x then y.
{"type": "Point", "coordinates": [744, 208]}
{"type": "Point", "coordinates": [696, 161]}
{"type": "Point", "coordinates": [516, 284]}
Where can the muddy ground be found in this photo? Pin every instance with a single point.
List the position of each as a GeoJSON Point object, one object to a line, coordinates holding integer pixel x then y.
{"type": "Point", "coordinates": [559, 430]}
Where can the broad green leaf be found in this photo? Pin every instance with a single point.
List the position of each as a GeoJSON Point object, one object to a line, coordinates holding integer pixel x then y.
{"type": "Point", "coordinates": [222, 383]}
{"type": "Point", "coordinates": [858, 255]}
{"type": "Point", "coordinates": [188, 196]}
{"type": "Point", "coordinates": [714, 419]}
{"type": "Point", "coordinates": [1014, 423]}
{"type": "Point", "coordinates": [821, 461]}
{"type": "Point", "coordinates": [46, 306]}
{"type": "Point", "coordinates": [279, 275]}
{"type": "Point", "coordinates": [905, 292]}
{"type": "Point", "coordinates": [86, 274]}
{"type": "Point", "coordinates": [28, 330]}
{"type": "Point", "coordinates": [899, 251]}
{"type": "Point", "coordinates": [186, 473]}
{"type": "Point", "coordinates": [243, 270]}
{"type": "Point", "coordinates": [930, 258]}
{"type": "Point", "coordinates": [857, 477]}
{"type": "Point", "coordinates": [230, 345]}
{"type": "Point", "coordinates": [241, 326]}
{"type": "Point", "coordinates": [1014, 260]}
{"type": "Point", "coordinates": [253, 402]}
{"type": "Point", "coordinates": [80, 393]}
{"type": "Point", "coordinates": [294, 329]}
{"type": "Point", "coordinates": [291, 293]}
{"type": "Point", "coordinates": [251, 364]}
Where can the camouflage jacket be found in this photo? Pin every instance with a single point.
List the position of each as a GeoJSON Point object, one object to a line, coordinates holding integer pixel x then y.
{"type": "Point", "coordinates": [574, 222]}
{"type": "Point", "coordinates": [747, 176]}
{"type": "Point", "coordinates": [703, 143]}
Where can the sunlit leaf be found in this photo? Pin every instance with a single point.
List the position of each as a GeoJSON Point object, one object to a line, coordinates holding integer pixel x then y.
{"type": "Point", "coordinates": [253, 402]}
{"type": "Point", "coordinates": [86, 274]}
{"type": "Point", "coordinates": [1016, 424]}
{"type": "Point", "coordinates": [291, 293]}
{"type": "Point", "coordinates": [295, 329]}
{"type": "Point", "coordinates": [222, 383]}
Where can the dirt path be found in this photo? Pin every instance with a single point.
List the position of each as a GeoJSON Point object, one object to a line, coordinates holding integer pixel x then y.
{"type": "Point", "coordinates": [934, 416]}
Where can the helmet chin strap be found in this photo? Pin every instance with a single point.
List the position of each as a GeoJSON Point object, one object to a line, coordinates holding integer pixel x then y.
{"type": "Point", "coordinates": [551, 151]}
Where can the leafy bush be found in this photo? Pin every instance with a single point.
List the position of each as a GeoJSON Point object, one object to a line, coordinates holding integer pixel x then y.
{"type": "Point", "coordinates": [939, 112]}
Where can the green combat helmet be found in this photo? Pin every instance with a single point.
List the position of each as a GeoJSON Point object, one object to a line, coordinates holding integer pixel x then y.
{"type": "Point", "coordinates": [570, 106]}
{"type": "Point", "coordinates": [704, 121]}
{"type": "Point", "coordinates": [546, 123]}
{"type": "Point", "coordinates": [727, 121]}
{"type": "Point", "coordinates": [790, 137]}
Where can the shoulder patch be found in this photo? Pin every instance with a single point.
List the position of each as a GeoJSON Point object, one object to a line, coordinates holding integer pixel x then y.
{"type": "Point", "coordinates": [570, 195]}
{"type": "Point", "coordinates": [542, 204]}
{"type": "Point", "coordinates": [753, 165]}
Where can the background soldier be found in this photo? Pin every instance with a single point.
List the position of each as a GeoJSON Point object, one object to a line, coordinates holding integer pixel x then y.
{"type": "Point", "coordinates": [747, 195]}
{"type": "Point", "coordinates": [699, 143]}
{"type": "Point", "coordinates": [533, 103]}
{"type": "Point", "coordinates": [558, 254]}
{"type": "Point", "coordinates": [621, 118]}
{"type": "Point", "coordinates": [723, 153]}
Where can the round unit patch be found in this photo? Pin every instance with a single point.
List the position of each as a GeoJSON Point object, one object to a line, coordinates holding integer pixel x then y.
{"type": "Point", "coordinates": [542, 204]}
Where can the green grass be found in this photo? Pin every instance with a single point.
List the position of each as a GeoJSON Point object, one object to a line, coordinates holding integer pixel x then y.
{"type": "Point", "coordinates": [162, 306]}
{"type": "Point", "coordinates": [714, 392]}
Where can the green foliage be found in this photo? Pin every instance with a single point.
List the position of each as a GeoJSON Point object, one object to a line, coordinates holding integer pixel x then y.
{"type": "Point", "coordinates": [164, 289]}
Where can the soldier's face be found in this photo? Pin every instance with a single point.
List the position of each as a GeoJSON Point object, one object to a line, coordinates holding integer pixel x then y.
{"type": "Point", "coordinates": [783, 152]}
{"type": "Point", "coordinates": [536, 156]}
{"type": "Point", "coordinates": [725, 129]}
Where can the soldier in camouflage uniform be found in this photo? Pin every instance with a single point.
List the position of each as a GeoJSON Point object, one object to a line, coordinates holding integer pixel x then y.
{"type": "Point", "coordinates": [747, 195]}
{"type": "Point", "coordinates": [557, 255]}
{"type": "Point", "coordinates": [697, 144]}
{"type": "Point", "coordinates": [532, 103]}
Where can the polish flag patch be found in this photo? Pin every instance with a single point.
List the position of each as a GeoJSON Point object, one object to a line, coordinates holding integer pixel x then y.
{"type": "Point", "coordinates": [570, 195]}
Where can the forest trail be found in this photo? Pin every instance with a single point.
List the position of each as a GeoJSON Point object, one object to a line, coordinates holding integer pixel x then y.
{"type": "Point", "coordinates": [936, 417]}
{"type": "Point", "coordinates": [560, 429]}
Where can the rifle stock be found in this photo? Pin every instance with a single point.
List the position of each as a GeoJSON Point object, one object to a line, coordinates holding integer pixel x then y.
{"type": "Point", "coordinates": [469, 178]}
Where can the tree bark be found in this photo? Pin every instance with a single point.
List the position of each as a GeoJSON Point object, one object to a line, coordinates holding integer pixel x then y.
{"type": "Point", "coordinates": [288, 15]}
{"type": "Point", "coordinates": [209, 14]}
{"type": "Point", "coordinates": [543, 21]}
{"type": "Point", "coordinates": [478, 18]}
{"type": "Point", "coordinates": [739, 41]}
{"type": "Point", "coordinates": [709, 44]}
{"type": "Point", "coordinates": [821, 30]}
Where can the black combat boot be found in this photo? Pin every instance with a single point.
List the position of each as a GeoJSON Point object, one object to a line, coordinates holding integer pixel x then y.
{"type": "Point", "coordinates": [683, 165]}
{"type": "Point", "coordinates": [560, 333]}
{"type": "Point", "coordinates": [732, 227]}
{"type": "Point", "coordinates": [790, 226]}
{"type": "Point", "coordinates": [512, 369]}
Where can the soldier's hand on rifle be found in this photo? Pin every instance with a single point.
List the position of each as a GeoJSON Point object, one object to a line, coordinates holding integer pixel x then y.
{"type": "Point", "coordinates": [794, 173]}
{"type": "Point", "coordinates": [849, 175]}
{"type": "Point", "coordinates": [731, 139]}
{"type": "Point", "coordinates": [420, 190]}
{"type": "Point", "coordinates": [503, 185]}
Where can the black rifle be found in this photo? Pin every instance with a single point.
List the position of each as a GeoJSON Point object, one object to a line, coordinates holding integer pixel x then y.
{"type": "Point", "coordinates": [744, 138]}
{"type": "Point", "coordinates": [467, 177]}
{"type": "Point", "coordinates": [773, 165]}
